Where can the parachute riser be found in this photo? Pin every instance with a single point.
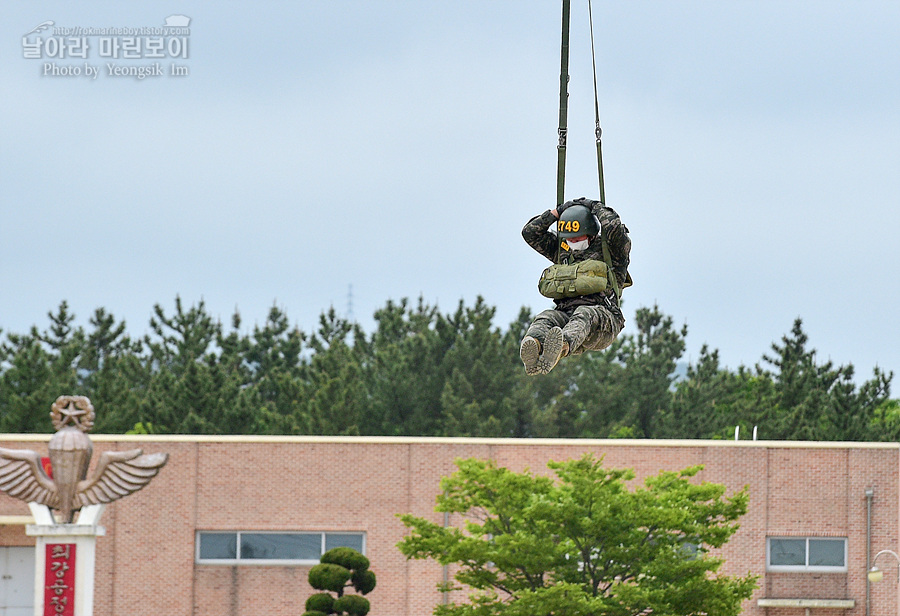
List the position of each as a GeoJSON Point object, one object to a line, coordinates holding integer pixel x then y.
{"type": "Point", "coordinates": [563, 105]}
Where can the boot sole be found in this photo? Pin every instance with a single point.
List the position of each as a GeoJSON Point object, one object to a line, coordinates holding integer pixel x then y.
{"type": "Point", "coordinates": [530, 352]}
{"type": "Point", "coordinates": [553, 344]}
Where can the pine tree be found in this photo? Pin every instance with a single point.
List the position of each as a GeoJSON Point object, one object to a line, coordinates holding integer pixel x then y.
{"type": "Point", "coordinates": [183, 394]}
{"type": "Point", "coordinates": [113, 374]}
{"type": "Point", "coordinates": [404, 376]}
{"type": "Point", "coordinates": [649, 358]}
{"type": "Point", "coordinates": [41, 365]}
{"type": "Point", "coordinates": [813, 401]}
{"type": "Point", "coordinates": [277, 373]}
{"type": "Point", "coordinates": [706, 402]}
{"type": "Point", "coordinates": [27, 386]}
{"type": "Point", "coordinates": [476, 397]}
{"type": "Point", "coordinates": [337, 398]}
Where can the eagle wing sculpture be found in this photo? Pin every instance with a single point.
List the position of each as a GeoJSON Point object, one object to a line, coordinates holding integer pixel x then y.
{"type": "Point", "coordinates": [22, 476]}
{"type": "Point", "coordinates": [118, 474]}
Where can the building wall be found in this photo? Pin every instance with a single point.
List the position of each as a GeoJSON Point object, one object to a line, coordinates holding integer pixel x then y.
{"type": "Point", "coordinates": [146, 565]}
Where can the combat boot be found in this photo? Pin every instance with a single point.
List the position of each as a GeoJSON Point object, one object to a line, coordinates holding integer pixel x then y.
{"type": "Point", "coordinates": [553, 349]}
{"type": "Point", "coordinates": [530, 352]}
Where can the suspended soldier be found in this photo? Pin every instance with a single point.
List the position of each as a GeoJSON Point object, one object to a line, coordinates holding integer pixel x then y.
{"type": "Point", "coordinates": [590, 250]}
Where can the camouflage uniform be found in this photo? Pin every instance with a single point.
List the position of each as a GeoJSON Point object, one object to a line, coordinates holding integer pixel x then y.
{"type": "Point", "coordinates": [588, 322]}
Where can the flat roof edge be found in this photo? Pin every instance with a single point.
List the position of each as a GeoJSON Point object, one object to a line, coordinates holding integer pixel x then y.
{"type": "Point", "coordinates": [548, 442]}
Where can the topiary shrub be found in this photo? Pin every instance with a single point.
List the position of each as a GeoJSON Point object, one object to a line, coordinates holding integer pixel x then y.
{"type": "Point", "coordinates": [354, 605]}
{"type": "Point", "coordinates": [320, 602]}
{"type": "Point", "coordinates": [363, 581]}
{"type": "Point", "coordinates": [345, 557]}
{"type": "Point", "coordinates": [336, 567]}
{"type": "Point", "coordinates": [329, 577]}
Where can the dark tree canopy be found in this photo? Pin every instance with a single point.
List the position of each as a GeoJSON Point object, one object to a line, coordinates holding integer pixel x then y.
{"type": "Point", "coordinates": [422, 372]}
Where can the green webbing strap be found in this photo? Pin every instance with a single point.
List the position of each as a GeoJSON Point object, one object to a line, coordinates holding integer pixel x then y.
{"type": "Point", "coordinates": [563, 106]}
{"type": "Point", "coordinates": [610, 274]}
{"type": "Point", "coordinates": [597, 131]}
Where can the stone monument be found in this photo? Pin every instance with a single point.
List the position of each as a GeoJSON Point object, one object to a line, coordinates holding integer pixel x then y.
{"type": "Point", "coordinates": [64, 560]}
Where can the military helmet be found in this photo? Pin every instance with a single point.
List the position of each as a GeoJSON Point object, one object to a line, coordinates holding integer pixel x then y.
{"type": "Point", "coordinates": [577, 220]}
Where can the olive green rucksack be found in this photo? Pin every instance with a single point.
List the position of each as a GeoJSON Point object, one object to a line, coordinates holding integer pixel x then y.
{"type": "Point", "coordinates": [573, 279]}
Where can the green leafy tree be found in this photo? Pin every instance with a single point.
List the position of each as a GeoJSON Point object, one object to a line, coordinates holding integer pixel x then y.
{"type": "Point", "coordinates": [583, 545]}
{"type": "Point", "coordinates": [886, 421]}
{"type": "Point", "coordinates": [340, 569]}
{"type": "Point", "coordinates": [64, 344]}
{"type": "Point", "coordinates": [421, 373]}
{"type": "Point", "coordinates": [273, 372]}
{"type": "Point", "coordinates": [601, 396]}
{"type": "Point", "coordinates": [182, 338]}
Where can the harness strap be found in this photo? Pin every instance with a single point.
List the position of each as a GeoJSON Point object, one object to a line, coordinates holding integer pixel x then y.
{"type": "Point", "coordinates": [614, 280]}
{"type": "Point", "coordinates": [597, 130]}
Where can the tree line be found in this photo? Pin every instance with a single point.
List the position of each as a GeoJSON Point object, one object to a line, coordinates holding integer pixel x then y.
{"type": "Point", "coordinates": [422, 372]}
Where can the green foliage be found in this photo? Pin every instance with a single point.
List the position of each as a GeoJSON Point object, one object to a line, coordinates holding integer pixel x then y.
{"type": "Point", "coordinates": [320, 602]}
{"type": "Point", "coordinates": [347, 558]}
{"type": "Point", "coordinates": [707, 402]}
{"type": "Point", "coordinates": [795, 397]}
{"type": "Point", "coordinates": [363, 581]}
{"type": "Point", "coordinates": [142, 428]}
{"type": "Point", "coordinates": [421, 373]}
{"type": "Point", "coordinates": [479, 375]}
{"type": "Point", "coordinates": [326, 576]}
{"type": "Point", "coordinates": [649, 357]}
{"type": "Point", "coordinates": [585, 544]}
{"type": "Point", "coordinates": [337, 567]}
{"type": "Point", "coordinates": [352, 604]}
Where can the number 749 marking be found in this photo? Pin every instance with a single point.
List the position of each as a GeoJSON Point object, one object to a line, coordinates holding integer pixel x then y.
{"type": "Point", "coordinates": [568, 226]}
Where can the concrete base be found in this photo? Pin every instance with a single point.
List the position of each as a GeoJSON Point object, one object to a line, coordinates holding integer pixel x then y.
{"type": "Point", "coordinates": [83, 535]}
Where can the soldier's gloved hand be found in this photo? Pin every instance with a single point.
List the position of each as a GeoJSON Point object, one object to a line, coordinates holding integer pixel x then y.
{"type": "Point", "coordinates": [562, 208]}
{"type": "Point", "coordinates": [592, 204]}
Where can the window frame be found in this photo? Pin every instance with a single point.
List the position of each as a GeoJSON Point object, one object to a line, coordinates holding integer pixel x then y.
{"type": "Point", "coordinates": [806, 568]}
{"type": "Point", "coordinates": [323, 537]}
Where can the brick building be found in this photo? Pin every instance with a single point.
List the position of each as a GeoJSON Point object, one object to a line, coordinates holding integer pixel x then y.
{"type": "Point", "coordinates": [231, 525]}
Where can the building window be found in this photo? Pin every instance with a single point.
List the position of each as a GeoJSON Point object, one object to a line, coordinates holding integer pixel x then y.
{"type": "Point", "coordinates": [254, 547]}
{"type": "Point", "coordinates": [806, 554]}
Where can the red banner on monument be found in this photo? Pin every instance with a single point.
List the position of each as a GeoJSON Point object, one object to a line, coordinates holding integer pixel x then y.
{"type": "Point", "coordinates": [59, 580]}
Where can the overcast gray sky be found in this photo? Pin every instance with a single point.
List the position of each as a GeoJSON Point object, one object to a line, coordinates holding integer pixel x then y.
{"type": "Point", "coordinates": [397, 148]}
